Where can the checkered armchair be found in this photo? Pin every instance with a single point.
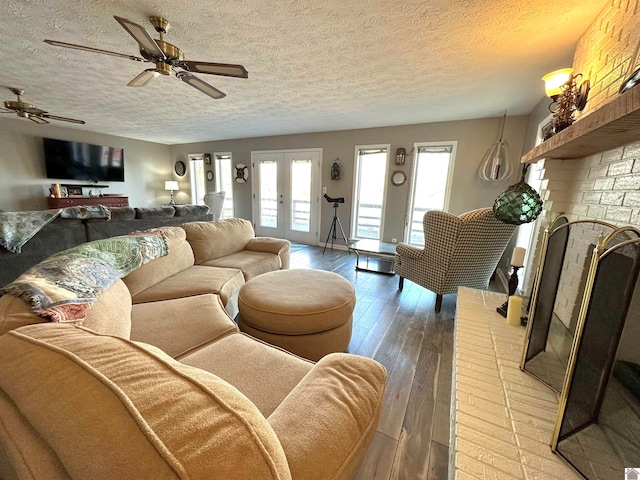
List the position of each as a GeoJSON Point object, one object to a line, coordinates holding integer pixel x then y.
{"type": "Point", "coordinates": [458, 251]}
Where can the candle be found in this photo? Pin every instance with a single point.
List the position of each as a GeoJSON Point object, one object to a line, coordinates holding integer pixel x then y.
{"type": "Point", "coordinates": [514, 310]}
{"type": "Point", "coordinates": [517, 258]}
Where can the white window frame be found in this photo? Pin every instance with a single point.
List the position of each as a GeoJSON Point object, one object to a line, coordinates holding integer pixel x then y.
{"type": "Point", "coordinates": [356, 188]}
{"type": "Point", "coordinates": [218, 178]}
{"type": "Point", "coordinates": [413, 176]}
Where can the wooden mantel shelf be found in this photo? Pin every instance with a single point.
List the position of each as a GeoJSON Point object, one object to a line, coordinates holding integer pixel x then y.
{"type": "Point", "coordinates": [613, 125]}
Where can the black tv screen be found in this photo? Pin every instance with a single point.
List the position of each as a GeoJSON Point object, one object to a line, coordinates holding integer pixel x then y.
{"type": "Point", "coordinates": [83, 161]}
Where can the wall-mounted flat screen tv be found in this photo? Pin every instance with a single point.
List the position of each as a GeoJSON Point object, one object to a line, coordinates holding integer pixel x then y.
{"type": "Point", "coordinates": [83, 161]}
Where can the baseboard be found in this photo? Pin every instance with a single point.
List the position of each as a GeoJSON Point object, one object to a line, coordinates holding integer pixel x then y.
{"type": "Point", "coordinates": [502, 280]}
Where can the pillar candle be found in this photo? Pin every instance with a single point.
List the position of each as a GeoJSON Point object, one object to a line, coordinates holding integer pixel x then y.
{"type": "Point", "coordinates": [517, 258]}
{"type": "Point", "coordinates": [514, 310]}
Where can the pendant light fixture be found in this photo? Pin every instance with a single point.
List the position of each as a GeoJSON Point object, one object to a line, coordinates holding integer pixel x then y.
{"type": "Point", "coordinates": [519, 203]}
{"type": "Point", "coordinates": [495, 165]}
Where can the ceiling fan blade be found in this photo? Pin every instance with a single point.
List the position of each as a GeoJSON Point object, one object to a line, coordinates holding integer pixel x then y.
{"type": "Point", "coordinates": [224, 69]}
{"type": "Point", "coordinates": [204, 87]}
{"type": "Point", "coordinates": [141, 36]}
{"type": "Point", "coordinates": [63, 119]}
{"type": "Point", "coordinates": [35, 118]}
{"type": "Point", "coordinates": [94, 50]}
{"type": "Point", "coordinates": [144, 78]}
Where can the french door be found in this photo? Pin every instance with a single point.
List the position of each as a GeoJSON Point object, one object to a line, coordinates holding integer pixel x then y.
{"type": "Point", "coordinates": [286, 194]}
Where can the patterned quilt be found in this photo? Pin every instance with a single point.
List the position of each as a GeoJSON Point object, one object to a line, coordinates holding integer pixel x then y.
{"type": "Point", "coordinates": [65, 286]}
{"type": "Point", "coordinates": [17, 228]}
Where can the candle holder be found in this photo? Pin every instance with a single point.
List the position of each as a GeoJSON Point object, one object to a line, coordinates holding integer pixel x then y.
{"type": "Point", "coordinates": [513, 285]}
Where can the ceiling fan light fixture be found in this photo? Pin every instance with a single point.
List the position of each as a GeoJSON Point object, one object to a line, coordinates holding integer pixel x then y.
{"type": "Point", "coordinates": [166, 57]}
{"type": "Point", "coordinates": [144, 78]}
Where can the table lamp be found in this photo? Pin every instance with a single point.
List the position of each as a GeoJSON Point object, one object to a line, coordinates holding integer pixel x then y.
{"type": "Point", "coordinates": [171, 185]}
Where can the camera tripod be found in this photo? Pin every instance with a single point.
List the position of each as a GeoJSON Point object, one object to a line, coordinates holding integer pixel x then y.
{"type": "Point", "coordinates": [333, 229]}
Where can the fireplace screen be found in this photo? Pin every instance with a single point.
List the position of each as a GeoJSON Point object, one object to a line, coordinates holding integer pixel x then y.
{"type": "Point", "coordinates": [567, 249]}
{"type": "Point", "coordinates": [598, 426]}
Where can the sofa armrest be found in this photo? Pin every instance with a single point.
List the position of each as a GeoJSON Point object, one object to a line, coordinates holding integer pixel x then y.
{"type": "Point", "coordinates": [406, 250]}
{"type": "Point", "coordinates": [277, 246]}
{"type": "Point", "coordinates": [345, 394]}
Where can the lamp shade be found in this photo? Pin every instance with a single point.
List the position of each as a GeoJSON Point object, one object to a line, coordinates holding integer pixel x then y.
{"type": "Point", "coordinates": [554, 81]}
{"type": "Point", "coordinates": [171, 185]}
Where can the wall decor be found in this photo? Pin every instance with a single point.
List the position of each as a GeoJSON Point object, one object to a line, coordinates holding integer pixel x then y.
{"type": "Point", "coordinates": [398, 178]}
{"type": "Point", "coordinates": [335, 170]}
{"type": "Point", "coordinates": [401, 155]}
{"type": "Point", "coordinates": [207, 158]}
{"type": "Point", "coordinates": [242, 173]}
{"type": "Point", "coordinates": [209, 175]}
{"type": "Point", "coordinates": [180, 168]}
{"type": "Point", "coordinates": [496, 165]}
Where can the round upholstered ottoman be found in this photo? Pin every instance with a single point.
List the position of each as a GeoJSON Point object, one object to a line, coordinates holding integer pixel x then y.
{"type": "Point", "coordinates": [307, 312]}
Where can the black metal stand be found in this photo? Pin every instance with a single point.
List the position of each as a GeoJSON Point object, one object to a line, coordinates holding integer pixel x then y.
{"type": "Point", "coordinates": [513, 285]}
{"type": "Point", "coordinates": [332, 230]}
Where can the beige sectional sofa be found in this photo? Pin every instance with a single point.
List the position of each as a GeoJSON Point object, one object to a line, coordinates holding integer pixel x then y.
{"type": "Point", "coordinates": [158, 382]}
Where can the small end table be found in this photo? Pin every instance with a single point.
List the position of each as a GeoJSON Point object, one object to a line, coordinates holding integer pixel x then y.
{"type": "Point", "coordinates": [383, 253]}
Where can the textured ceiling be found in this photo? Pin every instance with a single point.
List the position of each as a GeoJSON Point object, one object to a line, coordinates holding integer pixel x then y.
{"type": "Point", "coordinates": [313, 65]}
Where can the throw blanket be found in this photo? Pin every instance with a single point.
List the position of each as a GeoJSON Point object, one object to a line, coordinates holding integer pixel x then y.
{"type": "Point", "coordinates": [65, 286]}
{"type": "Point", "coordinates": [17, 228]}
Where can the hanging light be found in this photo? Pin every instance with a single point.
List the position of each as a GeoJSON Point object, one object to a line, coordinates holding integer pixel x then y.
{"type": "Point", "coordinates": [519, 203]}
{"type": "Point", "coordinates": [495, 165]}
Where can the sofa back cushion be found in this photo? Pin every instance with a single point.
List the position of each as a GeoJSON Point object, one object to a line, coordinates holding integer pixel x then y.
{"type": "Point", "coordinates": [110, 315]}
{"type": "Point", "coordinates": [211, 240]}
{"type": "Point", "coordinates": [112, 408]}
{"type": "Point", "coordinates": [179, 258]}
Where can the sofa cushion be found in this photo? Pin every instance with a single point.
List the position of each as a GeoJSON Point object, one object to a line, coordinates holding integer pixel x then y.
{"type": "Point", "coordinates": [155, 212]}
{"type": "Point", "coordinates": [179, 258]}
{"type": "Point", "coordinates": [190, 210]}
{"type": "Point", "coordinates": [111, 408]}
{"type": "Point", "coordinates": [197, 280]}
{"type": "Point", "coordinates": [249, 371]}
{"type": "Point", "coordinates": [122, 213]}
{"type": "Point", "coordinates": [211, 240]}
{"type": "Point", "coordinates": [111, 314]}
{"type": "Point", "coordinates": [252, 264]}
{"type": "Point", "coordinates": [199, 320]}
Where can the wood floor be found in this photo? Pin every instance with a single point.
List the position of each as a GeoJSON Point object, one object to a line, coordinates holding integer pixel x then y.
{"type": "Point", "coordinates": [401, 331]}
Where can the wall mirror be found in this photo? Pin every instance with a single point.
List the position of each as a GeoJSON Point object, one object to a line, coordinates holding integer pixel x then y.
{"type": "Point", "coordinates": [398, 178]}
{"type": "Point", "coordinates": [561, 277]}
{"type": "Point", "coordinates": [180, 168]}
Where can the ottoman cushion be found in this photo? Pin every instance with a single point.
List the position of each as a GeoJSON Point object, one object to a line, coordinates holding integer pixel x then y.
{"type": "Point", "coordinates": [297, 302]}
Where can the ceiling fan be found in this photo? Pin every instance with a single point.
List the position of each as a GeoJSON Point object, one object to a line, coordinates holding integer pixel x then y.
{"type": "Point", "coordinates": [33, 113]}
{"type": "Point", "coordinates": [167, 57]}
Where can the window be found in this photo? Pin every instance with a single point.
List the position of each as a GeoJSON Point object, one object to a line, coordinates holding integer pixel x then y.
{"type": "Point", "coordinates": [196, 172]}
{"type": "Point", "coordinates": [431, 185]}
{"type": "Point", "coordinates": [224, 182]}
{"type": "Point", "coordinates": [369, 191]}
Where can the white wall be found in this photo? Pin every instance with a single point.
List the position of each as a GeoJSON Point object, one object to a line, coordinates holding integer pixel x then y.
{"type": "Point", "coordinates": [23, 182]}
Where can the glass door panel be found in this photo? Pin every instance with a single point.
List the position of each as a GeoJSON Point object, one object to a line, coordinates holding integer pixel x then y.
{"type": "Point", "coordinates": [268, 204]}
{"type": "Point", "coordinates": [300, 208]}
